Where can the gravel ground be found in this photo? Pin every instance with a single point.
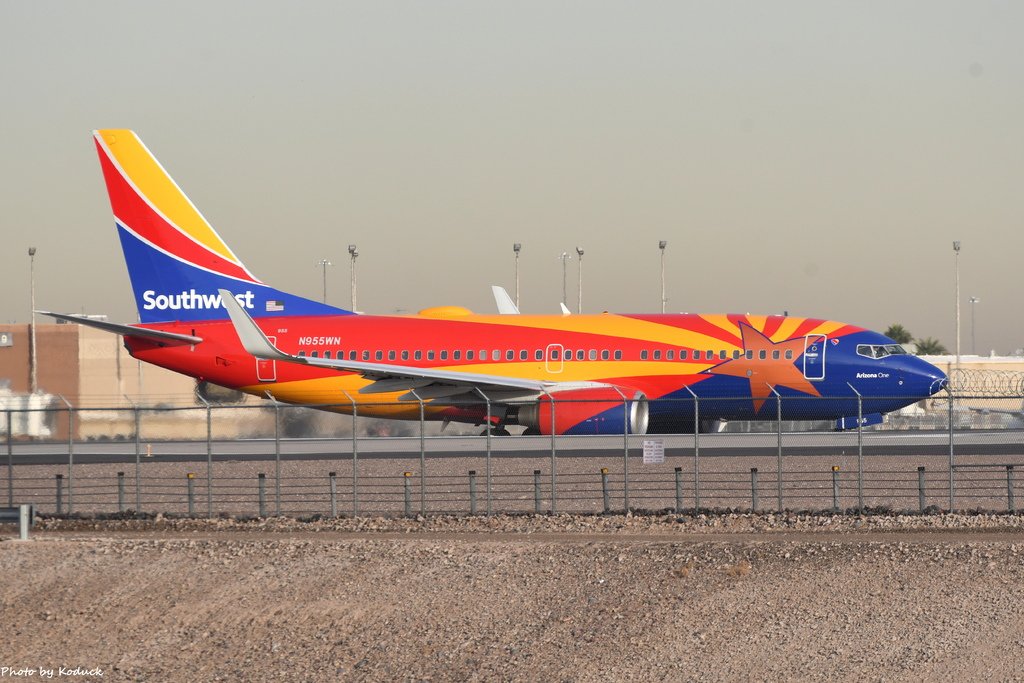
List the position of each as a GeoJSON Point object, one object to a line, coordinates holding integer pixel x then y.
{"type": "Point", "coordinates": [564, 598]}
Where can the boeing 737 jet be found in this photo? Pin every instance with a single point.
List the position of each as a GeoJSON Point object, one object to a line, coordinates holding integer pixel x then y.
{"type": "Point", "coordinates": [204, 314]}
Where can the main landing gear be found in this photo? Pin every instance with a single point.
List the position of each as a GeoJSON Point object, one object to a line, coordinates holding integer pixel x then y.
{"type": "Point", "coordinates": [496, 431]}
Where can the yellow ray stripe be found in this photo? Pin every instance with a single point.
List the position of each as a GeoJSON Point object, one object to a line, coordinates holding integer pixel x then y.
{"type": "Point", "coordinates": [786, 329]}
{"type": "Point", "coordinates": [608, 324]}
{"type": "Point", "coordinates": [157, 187]}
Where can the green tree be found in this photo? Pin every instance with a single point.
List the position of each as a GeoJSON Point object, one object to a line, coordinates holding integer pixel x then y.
{"type": "Point", "coordinates": [930, 347]}
{"type": "Point", "coordinates": [899, 334]}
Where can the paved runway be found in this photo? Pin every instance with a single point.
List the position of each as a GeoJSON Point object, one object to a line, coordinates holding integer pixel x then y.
{"type": "Point", "coordinates": [992, 443]}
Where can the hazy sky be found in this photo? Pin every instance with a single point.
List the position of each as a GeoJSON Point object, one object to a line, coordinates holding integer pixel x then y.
{"type": "Point", "coordinates": [816, 157]}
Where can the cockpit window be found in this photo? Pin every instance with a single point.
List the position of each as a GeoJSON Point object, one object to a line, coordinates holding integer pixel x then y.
{"type": "Point", "coordinates": [880, 350]}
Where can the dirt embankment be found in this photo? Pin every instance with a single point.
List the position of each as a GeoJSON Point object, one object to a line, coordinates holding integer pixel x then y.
{"type": "Point", "coordinates": [519, 598]}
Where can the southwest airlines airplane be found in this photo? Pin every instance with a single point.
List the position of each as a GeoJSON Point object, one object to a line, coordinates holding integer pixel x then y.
{"type": "Point", "coordinates": [203, 314]}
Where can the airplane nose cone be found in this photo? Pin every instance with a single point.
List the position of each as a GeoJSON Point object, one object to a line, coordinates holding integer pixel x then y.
{"type": "Point", "coordinates": [931, 377]}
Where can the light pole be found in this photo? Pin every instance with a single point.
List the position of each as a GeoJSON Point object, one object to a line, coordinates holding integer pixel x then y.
{"type": "Point", "coordinates": [579, 285]}
{"type": "Point", "coordinates": [661, 245]}
{"type": "Point", "coordinates": [516, 247]}
{"type": "Point", "coordinates": [323, 263]}
{"type": "Point", "coordinates": [956, 273]}
{"type": "Point", "coordinates": [974, 348]}
{"type": "Point", "coordinates": [353, 253]}
{"type": "Point", "coordinates": [565, 257]}
{"type": "Point", "coordinates": [33, 383]}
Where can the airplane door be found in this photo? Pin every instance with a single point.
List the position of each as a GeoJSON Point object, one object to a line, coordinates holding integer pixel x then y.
{"type": "Point", "coordinates": [266, 370]}
{"type": "Point", "coordinates": [814, 356]}
{"type": "Point", "coordinates": [554, 358]}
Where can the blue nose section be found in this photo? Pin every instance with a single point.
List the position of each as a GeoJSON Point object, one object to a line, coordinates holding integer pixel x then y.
{"type": "Point", "coordinates": [929, 378]}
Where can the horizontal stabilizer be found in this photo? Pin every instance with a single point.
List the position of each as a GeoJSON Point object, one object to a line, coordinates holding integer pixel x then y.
{"type": "Point", "coordinates": [126, 330]}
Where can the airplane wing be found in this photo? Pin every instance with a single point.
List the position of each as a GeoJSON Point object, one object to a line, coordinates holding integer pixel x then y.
{"type": "Point", "coordinates": [425, 382]}
{"type": "Point", "coordinates": [126, 330]}
{"type": "Point", "coordinates": [503, 301]}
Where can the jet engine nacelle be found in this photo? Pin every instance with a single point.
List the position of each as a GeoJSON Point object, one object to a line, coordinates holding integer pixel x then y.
{"type": "Point", "coordinates": [586, 411]}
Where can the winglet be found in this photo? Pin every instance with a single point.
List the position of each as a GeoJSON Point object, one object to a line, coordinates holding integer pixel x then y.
{"type": "Point", "coordinates": [503, 301]}
{"type": "Point", "coordinates": [251, 336]}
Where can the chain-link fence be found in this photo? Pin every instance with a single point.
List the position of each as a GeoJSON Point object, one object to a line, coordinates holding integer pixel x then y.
{"type": "Point", "coordinates": [945, 452]}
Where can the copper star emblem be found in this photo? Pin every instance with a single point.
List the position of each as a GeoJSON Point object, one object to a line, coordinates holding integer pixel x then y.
{"type": "Point", "coordinates": [768, 372]}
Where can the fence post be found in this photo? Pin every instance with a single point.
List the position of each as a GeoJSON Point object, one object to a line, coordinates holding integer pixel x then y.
{"type": "Point", "coordinates": [778, 421]}
{"type": "Point", "coordinates": [277, 458]}
{"type": "Point", "coordinates": [408, 494]}
{"type": "Point", "coordinates": [71, 454]}
{"type": "Point", "coordinates": [696, 454]}
{"type": "Point", "coordinates": [536, 491]}
{"type": "Point", "coordinates": [604, 488]}
{"type": "Point", "coordinates": [209, 458]}
{"type": "Point", "coordinates": [120, 491]}
{"type": "Point", "coordinates": [625, 455]}
{"type": "Point", "coordinates": [423, 456]}
{"type": "Point", "coordinates": [10, 462]}
{"type": "Point", "coordinates": [60, 493]}
{"type": "Point", "coordinates": [554, 491]}
{"type": "Point", "coordinates": [860, 449]}
{"type": "Point", "coordinates": [487, 461]}
{"type": "Point", "coordinates": [951, 462]}
{"type": "Point", "coordinates": [920, 488]}
{"type": "Point", "coordinates": [332, 478]}
{"type": "Point", "coordinates": [753, 489]}
{"type": "Point", "coordinates": [190, 481]}
{"type": "Point", "coordinates": [472, 490]}
{"type": "Point", "coordinates": [835, 488]}
{"type": "Point", "coordinates": [1011, 504]}
{"type": "Point", "coordinates": [262, 488]}
{"type": "Point", "coordinates": [138, 466]}
{"type": "Point", "coordinates": [679, 489]}
{"type": "Point", "coordinates": [355, 457]}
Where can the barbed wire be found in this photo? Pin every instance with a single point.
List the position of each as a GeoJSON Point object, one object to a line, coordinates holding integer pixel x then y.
{"type": "Point", "coordinates": [985, 383]}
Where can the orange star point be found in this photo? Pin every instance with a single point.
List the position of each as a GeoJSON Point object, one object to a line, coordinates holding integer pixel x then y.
{"type": "Point", "coordinates": [767, 373]}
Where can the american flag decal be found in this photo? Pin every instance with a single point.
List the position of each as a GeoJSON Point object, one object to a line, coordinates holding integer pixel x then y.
{"type": "Point", "coordinates": [273, 306]}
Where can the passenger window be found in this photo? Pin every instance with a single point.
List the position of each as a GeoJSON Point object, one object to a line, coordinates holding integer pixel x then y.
{"type": "Point", "coordinates": [670, 354]}
{"type": "Point", "coordinates": [618, 355]}
{"type": "Point", "coordinates": [430, 354]}
{"type": "Point", "coordinates": [605, 355]}
{"type": "Point", "coordinates": [418, 355]}
{"type": "Point", "coordinates": [762, 354]}
{"type": "Point", "coordinates": [643, 354]}
{"type": "Point", "coordinates": [554, 353]}
{"type": "Point", "coordinates": [495, 354]}
{"type": "Point", "coordinates": [456, 354]}
{"type": "Point", "coordinates": [592, 355]}
{"type": "Point", "coordinates": [775, 354]}
{"type": "Point", "coordinates": [510, 354]}
{"type": "Point", "coordinates": [483, 354]}
{"type": "Point", "coordinates": [314, 354]}
{"type": "Point", "coordinates": [351, 355]}
{"type": "Point", "coordinates": [538, 354]}
{"type": "Point", "coordinates": [749, 354]}
{"type": "Point", "coordinates": [580, 354]}
{"type": "Point", "coordinates": [523, 354]}
{"type": "Point", "coordinates": [366, 355]}
{"type": "Point", "coordinates": [444, 355]}
{"type": "Point", "coordinates": [469, 355]}
{"type": "Point", "coordinates": [327, 354]}
{"type": "Point", "coordinates": [405, 355]}
{"type": "Point", "coordinates": [302, 354]}
{"type": "Point", "coordinates": [379, 355]}
{"type": "Point", "coordinates": [708, 355]}
{"type": "Point", "coordinates": [789, 354]}
{"type": "Point", "coordinates": [391, 355]}
{"type": "Point", "coordinates": [657, 354]}
{"type": "Point", "coordinates": [568, 354]}
{"type": "Point", "coordinates": [683, 353]}
{"type": "Point", "coordinates": [722, 355]}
